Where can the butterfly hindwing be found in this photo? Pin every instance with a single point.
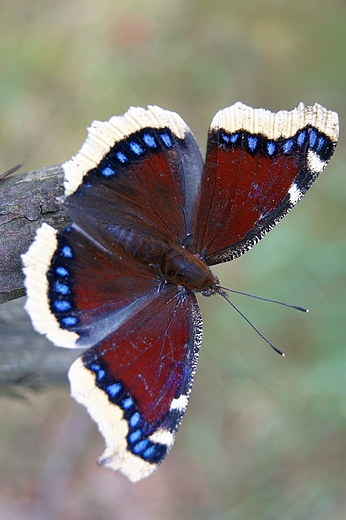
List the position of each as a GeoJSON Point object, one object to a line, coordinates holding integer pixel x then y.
{"type": "Point", "coordinates": [76, 294]}
{"type": "Point", "coordinates": [136, 383]}
{"type": "Point", "coordinates": [258, 166]}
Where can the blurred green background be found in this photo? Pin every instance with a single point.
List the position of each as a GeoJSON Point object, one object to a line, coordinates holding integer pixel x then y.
{"type": "Point", "coordinates": [264, 437]}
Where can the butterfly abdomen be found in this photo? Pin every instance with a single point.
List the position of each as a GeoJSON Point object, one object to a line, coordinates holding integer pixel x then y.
{"type": "Point", "coordinates": [143, 249]}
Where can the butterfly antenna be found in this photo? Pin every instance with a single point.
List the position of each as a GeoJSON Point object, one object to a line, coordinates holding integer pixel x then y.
{"type": "Point", "coordinates": [295, 307]}
{"type": "Point", "coordinates": [226, 297]}
{"type": "Point", "coordinates": [11, 170]}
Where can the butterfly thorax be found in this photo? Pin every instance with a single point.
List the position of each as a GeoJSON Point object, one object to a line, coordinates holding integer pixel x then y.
{"type": "Point", "coordinates": [183, 268]}
{"type": "Point", "coordinates": [176, 264]}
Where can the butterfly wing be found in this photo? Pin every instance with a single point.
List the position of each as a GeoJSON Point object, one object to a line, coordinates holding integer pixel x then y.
{"type": "Point", "coordinates": [136, 383]}
{"type": "Point", "coordinates": [258, 166]}
{"type": "Point", "coordinates": [78, 293]}
{"type": "Point", "coordinates": [140, 172]}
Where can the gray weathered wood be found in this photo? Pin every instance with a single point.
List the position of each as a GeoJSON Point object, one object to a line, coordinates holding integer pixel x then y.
{"type": "Point", "coordinates": [27, 359]}
{"type": "Point", "coordinates": [26, 200]}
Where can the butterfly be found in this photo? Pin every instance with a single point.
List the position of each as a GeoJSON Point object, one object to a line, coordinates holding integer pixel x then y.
{"type": "Point", "coordinates": [148, 220]}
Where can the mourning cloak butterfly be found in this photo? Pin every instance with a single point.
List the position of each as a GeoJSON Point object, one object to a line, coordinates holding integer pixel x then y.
{"type": "Point", "coordinates": [148, 221]}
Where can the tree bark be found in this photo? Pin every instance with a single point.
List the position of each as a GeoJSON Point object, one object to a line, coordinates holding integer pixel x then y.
{"type": "Point", "coordinates": [27, 359]}
{"type": "Point", "coordinates": [26, 200]}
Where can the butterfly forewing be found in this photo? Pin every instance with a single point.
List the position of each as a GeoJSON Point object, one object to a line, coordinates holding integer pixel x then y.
{"type": "Point", "coordinates": [147, 182]}
{"type": "Point", "coordinates": [258, 165]}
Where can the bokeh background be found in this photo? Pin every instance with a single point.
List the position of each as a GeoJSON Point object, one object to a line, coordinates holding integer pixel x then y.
{"type": "Point", "coordinates": [264, 437]}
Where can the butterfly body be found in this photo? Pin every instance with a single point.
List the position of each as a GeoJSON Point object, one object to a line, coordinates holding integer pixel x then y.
{"type": "Point", "coordinates": [183, 268]}
{"type": "Point", "coordinates": [149, 218]}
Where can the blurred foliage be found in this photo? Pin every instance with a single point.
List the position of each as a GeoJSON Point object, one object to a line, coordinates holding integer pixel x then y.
{"type": "Point", "coordinates": [264, 437]}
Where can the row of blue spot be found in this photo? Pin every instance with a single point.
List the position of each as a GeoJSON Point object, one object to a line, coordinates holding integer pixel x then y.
{"type": "Point", "coordinates": [138, 147]}
{"type": "Point", "coordinates": [316, 141]}
{"type": "Point", "coordinates": [137, 443]}
{"type": "Point", "coordinates": [61, 287]}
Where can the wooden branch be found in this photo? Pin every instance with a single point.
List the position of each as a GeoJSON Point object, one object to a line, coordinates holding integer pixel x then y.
{"type": "Point", "coordinates": [27, 359]}
{"type": "Point", "coordinates": [26, 200]}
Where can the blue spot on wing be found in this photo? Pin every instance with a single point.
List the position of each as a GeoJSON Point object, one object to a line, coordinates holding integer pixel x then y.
{"type": "Point", "coordinates": [149, 141]}
{"type": "Point", "coordinates": [312, 138]}
{"type": "Point", "coordinates": [288, 145]}
{"type": "Point", "coordinates": [252, 142]}
{"type": "Point", "coordinates": [149, 452]}
{"type": "Point", "coordinates": [135, 436]}
{"type": "Point", "coordinates": [62, 305]}
{"type": "Point", "coordinates": [127, 403]}
{"type": "Point", "coordinates": [101, 374]}
{"type": "Point", "coordinates": [234, 137]}
{"type": "Point", "coordinates": [62, 288]}
{"type": "Point", "coordinates": [61, 271]}
{"type": "Point", "coordinates": [226, 138]}
{"type": "Point", "coordinates": [271, 147]}
{"type": "Point", "coordinates": [140, 446]}
{"type": "Point", "coordinates": [69, 321]}
{"type": "Point", "coordinates": [134, 419]}
{"type": "Point", "coordinates": [136, 148]}
{"type": "Point", "coordinates": [167, 140]}
{"type": "Point", "coordinates": [154, 453]}
{"type": "Point", "coordinates": [66, 251]}
{"type": "Point", "coordinates": [114, 389]}
{"type": "Point", "coordinates": [108, 171]}
{"type": "Point", "coordinates": [320, 143]}
{"type": "Point", "coordinates": [301, 138]}
{"type": "Point", "coordinates": [122, 157]}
